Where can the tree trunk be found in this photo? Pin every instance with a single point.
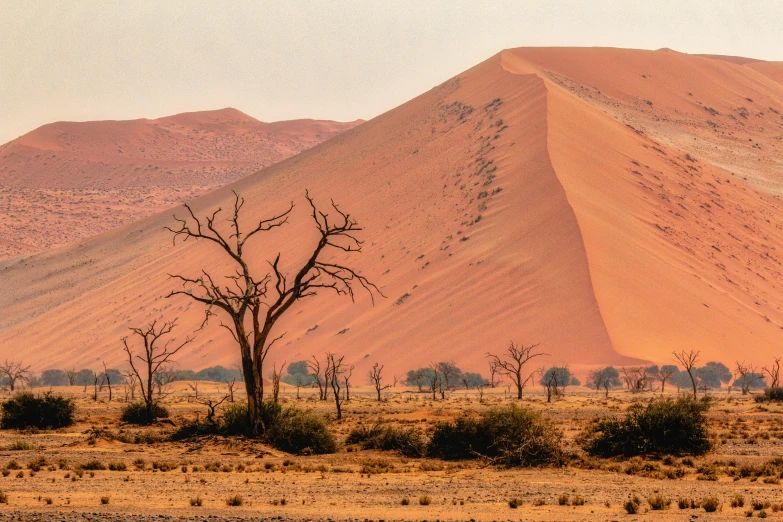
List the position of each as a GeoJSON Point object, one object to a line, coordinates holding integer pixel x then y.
{"type": "Point", "coordinates": [693, 382]}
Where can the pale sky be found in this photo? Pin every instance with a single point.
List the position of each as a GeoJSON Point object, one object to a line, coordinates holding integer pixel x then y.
{"type": "Point", "coordinates": [334, 59]}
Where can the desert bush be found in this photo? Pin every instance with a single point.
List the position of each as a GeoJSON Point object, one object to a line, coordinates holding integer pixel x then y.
{"type": "Point", "coordinates": [196, 502]}
{"type": "Point", "coordinates": [136, 413]}
{"type": "Point", "coordinates": [710, 504]}
{"type": "Point", "coordinates": [104, 500]}
{"type": "Point", "coordinates": [632, 505]}
{"type": "Point", "coordinates": [408, 442]}
{"type": "Point", "coordinates": [508, 436]}
{"type": "Point", "coordinates": [662, 426]}
{"type": "Point", "coordinates": [514, 503]}
{"type": "Point", "coordinates": [234, 420]}
{"type": "Point", "coordinates": [20, 445]}
{"type": "Point", "coordinates": [770, 394]}
{"type": "Point", "coordinates": [47, 411]}
{"type": "Point", "coordinates": [93, 465]}
{"type": "Point", "coordinates": [658, 502]}
{"type": "Point", "coordinates": [235, 500]}
{"type": "Point", "coordinates": [737, 501]}
{"type": "Point", "coordinates": [425, 500]}
{"type": "Point", "coordinates": [405, 501]}
{"type": "Point", "coordinates": [3, 497]}
{"type": "Point", "coordinates": [563, 499]}
{"type": "Point", "coordinates": [301, 432]}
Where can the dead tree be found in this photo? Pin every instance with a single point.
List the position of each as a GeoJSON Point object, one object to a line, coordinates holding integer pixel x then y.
{"type": "Point", "coordinates": [347, 379]}
{"type": "Point", "coordinates": [664, 374]}
{"type": "Point", "coordinates": [71, 376]}
{"type": "Point", "coordinates": [231, 385]}
{"type": "Point", "coordinates": [276, 376]}
{"type": "Point", "coordinates": [688, 361]}
{"type": "Point", "coordinates": [375, 380]}
{"type": "Point", "coordinates": [773, 372]}
{"type": "Point", "coordinates": [163, 377]}
{"type": "Point", "coordinates": [15, 372]}
{"type": "Point", "coordinates": [440, 379]}
{"type": "Point", "coordinates": [153, 356]}
{"type": "Point", "coordinates": [130, 385]}
{"type": "Point", "coordinates": [262, 299]}
{"type": "Point", "coordinates": [493, 370]}
{"type": "Point", "coordinates": [107, 377]}
{"type": "Point", "coordinates": [211, 405]}
{"type": "Point", "coordinates": [552, 380]}
{"type": "Point", "coordinates": [335, 369]}
{"type": "Point", "coordinates": [513, 364]}
{"type": "Point", "coordinates": [635, 378]}
{"type": "Point", "coordinates": [194, 388]}
{"type": "Point", "coordinates": [396, 378]}
{"type": "Point", "coordinates": [434, 379]}
{"type": "Point", "coordinates": [747, 376]}
{"type": "Point", "coordinates": [315, 368]}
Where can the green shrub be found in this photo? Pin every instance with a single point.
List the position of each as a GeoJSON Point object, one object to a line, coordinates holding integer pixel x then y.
{"type": "Point", "coordinates": [408, 442]}
{"type": "Point", "coordinates": [196, 428]}
{"type": "Point", "coordinates": [508, 436]}
{"type": "Point", "coordinates": [136, 413]}
{"type": "Point", "coordinates": [770, 394]}
{"type": "Point", "coordinates": [301, 432]}
{"type": "Point", "coordinates": [47, 411]}
{"type": "Point", "coordinates": [662, 426]}
{"type": "Point", "coordinates": [234, 420]}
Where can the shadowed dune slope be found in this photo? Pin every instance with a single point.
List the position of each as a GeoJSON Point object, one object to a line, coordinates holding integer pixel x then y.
{"type": "Point", "coordinates": [515, 201]}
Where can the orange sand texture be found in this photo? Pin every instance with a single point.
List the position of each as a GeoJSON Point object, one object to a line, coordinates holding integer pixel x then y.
{"type": "Point", "coordinates": [613, 205]}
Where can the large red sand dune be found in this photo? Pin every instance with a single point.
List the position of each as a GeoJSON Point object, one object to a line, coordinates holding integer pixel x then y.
{"type": "Point", "coordinates": [612, 205]}
{"type": "Point", "coordinates": [70, 180]}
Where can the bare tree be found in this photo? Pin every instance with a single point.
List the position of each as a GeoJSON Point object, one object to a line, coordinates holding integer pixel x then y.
{"type": "Point", "coordinates": [493, 370]}
{"type": "Point", "coordinates": [130, 385]}
{"type": "Point", "coordinates": [153, 357]}
{"type": "Point", "coordinates": [211, 405]}
{"type": "Point", "coordinates": [688, 361]}
{"type": "Point", "coordinates": [231, 385]}
{"type": "Point", "coordinates": [163, 377]}
{"type": "Point", "coordinates": [553, 379]}
{"type": "Point", "coordinates": [450, 373]}
{"type": "Point", "coordinates": [635, 378]}
{"type": "Point", "coordinates": [747, 375]}
{"type": "Point", "coordinates": [375, 379]}
{"type": "Point", "coordinates": [96, 377]}
{"type": "Point", "coordinates": [396, 378]}
{"type": "Point", "coordinates": [664, 374]}
{"type": "Point", "coordinates": [194, 388]}
{"type": "Point", "coordinates": [263, 299]}
{"type": "Point", "coordinates": [276, 375]}
{"type": "Point", "coordinates": [433, 379]}
{"type": "Point", "coordinates": [773, 372]}
{"type": "Point", "coordinates": [513, 364]}
{"type": "Point", "coordinates": [71, 376]}
{"type": "Point", "coordinates": [315, 368]}
{"type": "Point", "coordinates": [15, 372]}
{"type": "Point", "coordinates": [107, 377]}
{"type": "Point", "coordinates": [347, 378]}
{"type": "Point", "coordinates": [333, 375]}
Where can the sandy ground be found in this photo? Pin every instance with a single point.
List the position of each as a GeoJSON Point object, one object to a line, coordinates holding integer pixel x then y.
{"type": "Point", "coordinates": [359, 484]}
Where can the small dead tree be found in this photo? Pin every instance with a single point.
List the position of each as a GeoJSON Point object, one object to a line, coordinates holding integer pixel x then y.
{"type": "Point", "coordinates": [335, 369]}
{"type": "Point", "coordinates": [396, 378]}
{"type": "Point", "coordinates": [635, 378]}
{"type": "Point", "coordinates": [375, 375]}
{"type": "Point", "coordinates": [664, 374]}
{"type": "Point", "coordinates": [315, 368]}
{"type": "Point", "coordinates": [433, 379]}
{"type": "Point", "coordinates": [15, 372]}
{"type": "Point", "coordinates": [211, 405]}
{"type": "Point", "coordinates": [71, 376]}
{"type": "Point", "coordinates": [688, 361]}
{"type": "Point", "coordinates": [231, 385]}
{"type": "Point", "coordinates": [97, 382]}
{"type": "Point", "coordinates": [773, 372]}
{"type": "Point", "coordinates": [130, 385]}
{"type": "Point", "coordinates": [153, 356]}
{"type": "Point", "coordinates": [746, 375]}
{"type": "Point", "coordinates": [107, 377]}
{"type": "Point", "coordinates": [513, 363]}
{"type": "Point", "coordinates": [194, 388]}
{"type": "Point", "coordinates": [553, 379]}
{"type": "Point", "coordinates": [276, 376]}
{"type": "Point", "coordinates": [493, 370]}
{"type": "Point", "coordinates": [163, 377]}
{"type": "Point", "coordinates": [261, 300]}
{"type": "Point", "coordinates": [347, 378]}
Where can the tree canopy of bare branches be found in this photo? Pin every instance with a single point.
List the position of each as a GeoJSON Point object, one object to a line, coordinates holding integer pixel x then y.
{"type": "Point", "coordinates": [253, 302]}
{"type": "Point", "coordinates": [688, 361]}
{"type": "Point", "coordinates": [375, 375]}
{"type": "Point", "coordinates": [512, 363]}
{"type": "Point", "coordinates": [774, 373]}
{"type": "Point", "coordinates": [747, 376]}
{"type": "Point", "coordinates": [15, 372]}
{"type": "Point", "coordinates": [335, 370]}
{"type": "Point", "coordinates": [153, 356]}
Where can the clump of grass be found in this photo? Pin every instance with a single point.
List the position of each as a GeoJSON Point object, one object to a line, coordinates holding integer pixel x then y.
{"type": "Point", "coordinates": [48, 500]}
{"type": "Point", "coordinates": [140, 464]}
{"type": "Point", "coordinates": [578, 500]}
{"type": "Point", "coordinates": [104, 500]}
{"type": "Point", "coordinates": [563, 499]}
{"type": "Point", "coordinates": [632, 505]}
{"type": "Point", "coordinates": [235, 500]}
{"type": "Point", "coordinates": [514, 503]}
{"type": "Point", "coordinates": [118, 466]}
{"type": "Point", "coordinates": [710, 504]}
{"type": "Point", "coordinates": [196, 501]}
{"type": "Point", "coordinates": [425, 500]}
{"type": "Point", "coordinates": [405, 501]}
{"type": "Point", "coordinates": [658, 502]}
{"type": "Point", "coordinates": [21, 445]}
{"type": "Point", "coordinates": [737, 501]}
{"type": "Point", "coordinates": [37, 464]}
{"type": "Point", "coordinates": [406, 441]}
{"type": "Point", "coordinates": [94, 465]}
{"type": "Point", "coordinates": [3, 497]}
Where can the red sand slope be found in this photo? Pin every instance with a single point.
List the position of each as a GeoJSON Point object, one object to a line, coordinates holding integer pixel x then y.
{"type": "Point", "coordinates": [67, 181]}
{"type": "Point", "coordinates": [537, 197]}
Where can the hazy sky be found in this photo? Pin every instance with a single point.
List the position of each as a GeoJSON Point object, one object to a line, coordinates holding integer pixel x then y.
{"type": "Point", "coordinates": [87, 60]}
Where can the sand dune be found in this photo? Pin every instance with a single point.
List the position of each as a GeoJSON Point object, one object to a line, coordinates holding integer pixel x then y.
{"type": "Point", "coordinates": [613, 205]}
{"type": "Point", "coordinates": [70, 180]}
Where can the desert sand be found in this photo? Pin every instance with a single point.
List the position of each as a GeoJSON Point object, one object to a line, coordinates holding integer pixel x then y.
{"type": "Point", "coordinates": [613, 205]}
{"type": "Point", "coordinates": [67, 181]}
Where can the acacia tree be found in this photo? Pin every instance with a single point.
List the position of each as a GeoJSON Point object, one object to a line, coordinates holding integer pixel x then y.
{"type": "Point", "coordinates": [153, 357]}
{"type": "Point", "coordinates": [71, 375]}
{"type": "Point", "coordinates": [773, 372]}
{"type": "Point", "coordinates": [347, 378]}
{"type": "Point", "coordinates": [315, 368]}
{"type": "Point", "coordinates": [747, 376]}
{"type": "Point", "coordinates": [665, 373]}
{"type": "Point", "coordinates": [513, 363]}
{"type": "Point", "coordinates": [493, 369]}
{"type": "Point", "coordinates": [15, 372]}
{"type": "Point", "coordinates": [335, 369]}
{"type": "Point", "coordinates": [375, 379]}
{"type": "Point", "coordinates": [688, 361]}
{"type": "Point", "coordinates": [254, 302]}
